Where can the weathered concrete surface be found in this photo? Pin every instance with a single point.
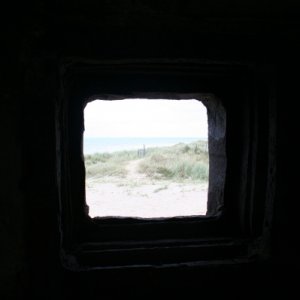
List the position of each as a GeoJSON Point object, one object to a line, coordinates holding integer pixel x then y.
{"type": "Point", "coordinates": [37, 35]}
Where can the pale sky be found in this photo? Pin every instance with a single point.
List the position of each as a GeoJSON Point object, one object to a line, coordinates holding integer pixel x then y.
{"type": "Point", "coordinates": [145, 118]}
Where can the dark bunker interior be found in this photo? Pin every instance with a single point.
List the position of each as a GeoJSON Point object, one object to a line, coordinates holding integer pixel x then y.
{"type": "Point", "coordinates": [238, 57]}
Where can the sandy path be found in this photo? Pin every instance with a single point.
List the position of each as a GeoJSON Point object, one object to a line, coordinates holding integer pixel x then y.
{"type": "Point", "coordinates": [132, 169]}
{"type": "Point", "coordinates": [138, 197]}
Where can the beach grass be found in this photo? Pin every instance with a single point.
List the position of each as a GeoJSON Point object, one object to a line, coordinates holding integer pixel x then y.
{"type": "Point", "coordinates": [188, 162]}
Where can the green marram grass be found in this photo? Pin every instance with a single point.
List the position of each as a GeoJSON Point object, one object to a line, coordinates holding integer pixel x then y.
{"type": "Point", "coordinates": [181, 162]}
{"type": "Point", "coordinates": [108, 164]}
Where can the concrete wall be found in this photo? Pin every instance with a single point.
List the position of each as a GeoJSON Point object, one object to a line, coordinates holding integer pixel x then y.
{"type": "Point", "coordinates": [37, 36]}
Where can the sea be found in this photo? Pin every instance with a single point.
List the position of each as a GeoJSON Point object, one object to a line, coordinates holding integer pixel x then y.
{"type": "Point", "coordinates": [112, 144]}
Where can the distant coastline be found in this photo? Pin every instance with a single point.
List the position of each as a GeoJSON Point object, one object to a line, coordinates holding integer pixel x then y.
{"type": "Point", "coordinates": [112, 144]}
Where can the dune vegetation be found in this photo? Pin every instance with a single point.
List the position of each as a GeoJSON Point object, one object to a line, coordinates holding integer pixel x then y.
{"type": "Point", "coordinates": [181, 162]}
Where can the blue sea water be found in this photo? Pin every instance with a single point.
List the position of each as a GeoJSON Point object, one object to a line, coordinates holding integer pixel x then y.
{"type": "Point", "coordinates": [104, 144]}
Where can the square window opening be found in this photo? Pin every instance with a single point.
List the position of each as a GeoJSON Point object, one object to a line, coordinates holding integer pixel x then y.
{"type": "Point", "coordinates": [146, 158]}
{"type": "Point", "coordinates": [154, 158]}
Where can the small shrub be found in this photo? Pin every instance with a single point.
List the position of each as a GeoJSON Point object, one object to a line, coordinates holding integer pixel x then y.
{"type": "Point", "coordinates": [186, 149]}
{"type": "Point", "coordinates": [165, 172]}
{"type": "Point", "coordinates": [157, 158]}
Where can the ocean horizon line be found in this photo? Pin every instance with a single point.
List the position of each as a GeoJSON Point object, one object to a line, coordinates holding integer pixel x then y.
{"type": "Point", "coordinates": [112, 144]}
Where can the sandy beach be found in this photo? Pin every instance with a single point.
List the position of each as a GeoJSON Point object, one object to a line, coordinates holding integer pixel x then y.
{"type": "Point", "coordinates": [138, 196]}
